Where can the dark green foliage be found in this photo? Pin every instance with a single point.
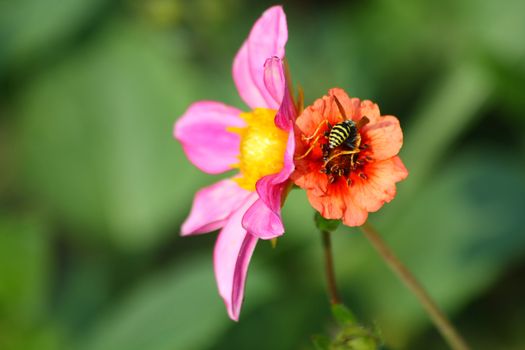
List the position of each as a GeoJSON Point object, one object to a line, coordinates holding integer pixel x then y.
{"type": "Point", "coordinates": [93, 189]}
{"type": "Point", "coordinates": [323, 224]}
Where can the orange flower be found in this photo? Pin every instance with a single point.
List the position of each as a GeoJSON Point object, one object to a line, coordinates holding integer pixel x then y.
{"type": "Point", "coordinates": [347, 180]}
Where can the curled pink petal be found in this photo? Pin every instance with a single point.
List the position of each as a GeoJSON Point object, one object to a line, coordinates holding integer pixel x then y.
{"type": "Point", "coordinates": [274, 81]}
{"type": "Point", "coordinates": [276, 85]}
{"type": "Point", "coordinates": [262, 222]}
{"type": "Point", "coordinates": [212, 206]}
{"type": "Point", "coordinates": [287, 113]}
{"type": "Point", "coordinates": [232, 254]}
{"type": "Point", "coordinates": [202, 130]}
{"type": "Point", "coordinates": [267, 39]}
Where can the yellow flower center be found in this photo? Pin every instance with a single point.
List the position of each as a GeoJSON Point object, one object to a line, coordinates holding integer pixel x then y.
{"type": "Point", "coordinates": [262, 147]}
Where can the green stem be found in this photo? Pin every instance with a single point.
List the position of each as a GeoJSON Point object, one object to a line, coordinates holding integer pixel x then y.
{"type": "Point", "coordinates": [439, 319]}
{"type": "Point", "coordinates": [329, 268]}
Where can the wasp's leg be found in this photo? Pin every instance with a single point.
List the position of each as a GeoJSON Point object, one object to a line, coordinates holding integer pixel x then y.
{"type": "Point", "coordinates": [314, 135]}
{"type": "Point", "coordinates": [327, 132]}
{"type": "Point", "coordinates": [351, 144]}
{"type": "Point", "coordinates": [310, 149]}
{"type": "Point", "coordinates": [354, 142]}
{"type": "Point", "coordinates": [340, 154]}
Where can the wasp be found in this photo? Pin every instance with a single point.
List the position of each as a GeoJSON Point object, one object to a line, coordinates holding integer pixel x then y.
{"type": "Point", "coordinates": [344, 135]}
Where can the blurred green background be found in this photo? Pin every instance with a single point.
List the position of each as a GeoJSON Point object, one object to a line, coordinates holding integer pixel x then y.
{"type": "Point", "coordinates": [93, 188]}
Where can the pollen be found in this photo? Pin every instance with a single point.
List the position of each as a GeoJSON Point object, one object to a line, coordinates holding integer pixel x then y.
{"type": "Point", "coordinates": [262, 147]}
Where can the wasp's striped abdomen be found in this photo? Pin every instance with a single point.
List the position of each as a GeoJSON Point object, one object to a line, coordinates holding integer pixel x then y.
{"type": "Point", "coordinates": [344, 132]}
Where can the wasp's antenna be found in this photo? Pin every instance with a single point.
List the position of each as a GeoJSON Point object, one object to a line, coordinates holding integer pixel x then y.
{"type": "Point", "coordinates": [340, 107]}
{"type": "Point", "coordinates": [362, 122]}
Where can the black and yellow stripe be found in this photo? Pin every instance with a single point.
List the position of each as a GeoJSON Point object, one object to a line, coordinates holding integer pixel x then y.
{"type": "Point", "coordinates": [340, 133]}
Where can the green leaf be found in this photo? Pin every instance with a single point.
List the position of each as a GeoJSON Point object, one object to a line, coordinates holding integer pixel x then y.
{"type": "Point", "coordinates": [178, 309]}
{"type": "Point", "coordinates": [321, 342]}
{"type": "Point", "coordinates": [29, 27]}
{"type": "Point", "coordinates": [343, 315]}
{"type": "Point", "coordinates": [323, 224]}
{"type": "Point", "coordinates": [86, 287]}
{"type": "Point", "coordinates": [505, 36]}
{"type": "Point", "coordinates": [24, 269]}
{"type": "Point", "coordinates": [454, 103]}
{"type": "Point", "coordinates": [96, 139]}
{"type": "Point", "coordinates": [355, 338]}
{"type": "Point", "coordinates": [31, 337]}
{"type": "Point", "coordinates": [451, 107]}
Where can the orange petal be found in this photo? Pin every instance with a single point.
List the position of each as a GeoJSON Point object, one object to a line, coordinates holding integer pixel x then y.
{"type": "Point", "coordinates": [354, 214]}
{"type": "Point", "coordinates": [311, 118]}
{"type": "Point", "coordinates": [370, 110]}
{"type": "Point", "coordinates": [325, 109]}
{"type": "Point", "coordinates": [350, 105]}
{"type": "Point", "coordinates": [307, 175]}
{"type": "Point", "coordinates": [380, 183]}
{"type": "Point", "coordinates": [383, 137]}
{"type": "Point", "coordinates": [330, 204]}
{"type": "Point", "coordinates": [337, 203]}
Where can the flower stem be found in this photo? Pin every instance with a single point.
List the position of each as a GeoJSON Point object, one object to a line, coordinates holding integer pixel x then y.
{"type": "Point", "coordinates": [445, 327]}
{"type": "Point", "coordinates": [329, 268]}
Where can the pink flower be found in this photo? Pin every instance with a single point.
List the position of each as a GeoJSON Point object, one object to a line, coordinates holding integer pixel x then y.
{"type": "Point", "coordinates": [260, 143]}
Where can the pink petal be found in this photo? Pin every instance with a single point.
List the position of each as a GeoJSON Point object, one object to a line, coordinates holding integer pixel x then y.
{"type": "Point", "coordinates": [263, 219]}
{"type": "Point", "coordinates": [276, 84]}
{"type": "Point", "coordinates": [261, 222]}
{"type": "Point", "coordinates": [212, 206]}
{"type": "Point", "coordinates": [273, 78]}
{"type": "Point", "coordinates": [202, 130]}
{"type": "Point", "coordinates": [267, 39]}
{"type": "Point", "coordinates": [232, 254]}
